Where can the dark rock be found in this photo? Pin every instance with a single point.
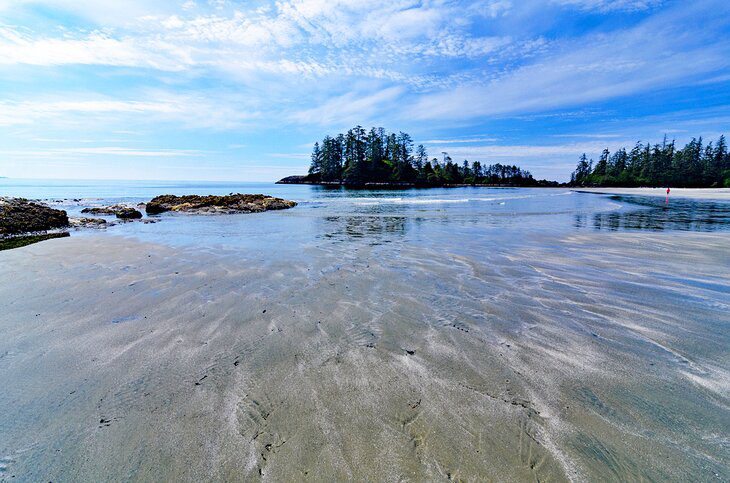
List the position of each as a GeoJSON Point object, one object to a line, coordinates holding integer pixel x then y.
{"type": "Point", "coordinates": [120, 211]}
{"type": "Point", "coordinates": [129, 214]}
{"type": "Point", "coordinates": [100, 210]}
{"type": "Point", "coordinates": [233, 203]}
{"type": "Point", "coordinates": [88, 222]}
{"type": "Point", "coordinates": [298, 180]}
{"type": "Point", "coordinates": [308, 179]}
{"type": "Point", "coordinates": [18, 216]}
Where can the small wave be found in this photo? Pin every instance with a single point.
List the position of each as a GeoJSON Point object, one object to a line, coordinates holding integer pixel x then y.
{"type": "Point", "coordinates": [432, 201]}
{"type": "Point", "coordinates": [375, 201]}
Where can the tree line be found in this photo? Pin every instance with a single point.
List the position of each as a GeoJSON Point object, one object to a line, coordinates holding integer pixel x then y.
{"type": "Point", "coordinates": [359, 157]}
{"type": "Point", "coordinates": [693, 166]}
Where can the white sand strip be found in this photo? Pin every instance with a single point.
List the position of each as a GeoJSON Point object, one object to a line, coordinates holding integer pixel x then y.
{"type": "Point", "coordinates": [694, 193]}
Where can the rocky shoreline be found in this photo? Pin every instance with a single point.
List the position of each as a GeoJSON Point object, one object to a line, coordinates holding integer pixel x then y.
{"type": "Point", "coordinates": [228, 204]}
{"type": "Point", "coordinates": [120, 211]}
{"type": "Point", "coordinates": [24, 221]}
{"type": "Point", "coordinates": [20, 216]}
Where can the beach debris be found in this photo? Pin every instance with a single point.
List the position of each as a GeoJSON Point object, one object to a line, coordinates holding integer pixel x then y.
{"type": "Point", "coordinates": [201, 380]}
{"type": "Point", "coordinates": [228, 204]}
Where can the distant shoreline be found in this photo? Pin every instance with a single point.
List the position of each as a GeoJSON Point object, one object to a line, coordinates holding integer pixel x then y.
{"type": "Point", "coordinates": [692, 193]}
{"type": "Point", "coordinates": [402, 184]}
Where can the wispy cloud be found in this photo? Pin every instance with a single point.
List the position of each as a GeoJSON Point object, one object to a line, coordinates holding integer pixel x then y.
{"type": "Point", "coordinates": [459, 141]}
{"type": "Point", "coordinates": [306, 156]}
{"type": "Point", "coordinates": [95, 48]}
{"type": "Point", "coordinates": [590, 136]}
{"type": "Point", "coordinates": [611, 5]}
{"type": "Point", "coordinates": [595, 68]}
{"type": "Point", "coordinates": [189, 110]}
{"type": "Point", "coordinates": [350, 108]}
{"type": "Point", "coordinates": [495, 152]}
{"type": "Point", "coordinates": [285, 72]}
{"type": "Point", "coordinates": [102, 150]}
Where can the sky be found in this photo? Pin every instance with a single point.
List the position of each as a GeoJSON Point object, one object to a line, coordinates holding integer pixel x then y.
{"type": "Point", "coordinates": [241, 90]}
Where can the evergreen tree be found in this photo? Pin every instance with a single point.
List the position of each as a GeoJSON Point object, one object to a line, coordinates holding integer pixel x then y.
{"type": "Point", "coordinates": [316, 167]}
{"type": "Point", "coordinates": [421, 158]}
{"type": "Point", "coordinates": [659, 165]}
{"type": "Point", "coordinates": [359, 157]}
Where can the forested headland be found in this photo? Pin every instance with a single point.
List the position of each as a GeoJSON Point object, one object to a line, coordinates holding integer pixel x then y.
{"type": "Point", "coordinates": [359, 158]}
{"type": "Point", "coordinates": [693, 166]}
{"type": "Point", "coordinates": [364, 158]}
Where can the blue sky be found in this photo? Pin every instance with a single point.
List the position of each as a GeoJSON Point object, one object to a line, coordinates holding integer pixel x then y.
{"type": "Point", "coordinates": [240, 90]}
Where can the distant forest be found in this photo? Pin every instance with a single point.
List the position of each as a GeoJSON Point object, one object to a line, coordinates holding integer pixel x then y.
{"type": "Point", "coordinates": [693, 166]}
{"type": "Point", "coordinates": [360, 157]}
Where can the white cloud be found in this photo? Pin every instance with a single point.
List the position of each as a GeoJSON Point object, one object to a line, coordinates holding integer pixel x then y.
{"type": "Point", "coordinates": [101, 150]}
{"type": "Point", "coordinates": [492, 8]}
{"type": "Point", "coordinates": [610, 5]}
{"type": "Point", "coordinates": [101, 12]}
{"type": "Point", "coordinates": [429, 63]}
{"type": "Point", "coordinates": [190, 110]}
{"type": "Point", "coordinates": [459, 141]}
{"type": "Point", "coordinates": [350, 108]}
{"type": "Point", "coordinates": [96, 48]}
{"type": "Point", "coordinates": [595, 68]}
{"type": "Point", "coordinates": [570, 150]}
{"type": "Point", "coordinates": [290, 155]}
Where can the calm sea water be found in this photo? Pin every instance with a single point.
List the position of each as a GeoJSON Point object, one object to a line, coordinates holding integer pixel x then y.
{"type": "Point", "coordinates": [430, 216]}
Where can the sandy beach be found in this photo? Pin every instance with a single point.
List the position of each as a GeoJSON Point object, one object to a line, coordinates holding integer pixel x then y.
{"type": "Point", "coordinates": [316, 241]}
{"type": "Point", "coordinates": [559, 360]}
{"type": "Point", "coordinates": [690, 193]}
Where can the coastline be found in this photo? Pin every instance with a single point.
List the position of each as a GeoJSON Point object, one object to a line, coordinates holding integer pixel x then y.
{"type": "Point", "coordinates": [692, 193]}
{"type": "Point", "coordinates": [300, 180]}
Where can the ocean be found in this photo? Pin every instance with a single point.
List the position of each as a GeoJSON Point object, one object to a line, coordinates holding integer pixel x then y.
{"type": "Point", "coordinates": [378, 216]}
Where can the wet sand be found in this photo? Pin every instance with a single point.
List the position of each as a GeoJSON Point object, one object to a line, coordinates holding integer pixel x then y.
{"type": "Point", "coordinates": [585, 357]}
{"type": "Point", "coordinates": [690, 193]}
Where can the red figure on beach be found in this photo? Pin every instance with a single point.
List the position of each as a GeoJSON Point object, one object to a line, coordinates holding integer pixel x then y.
{"type": "Point", "coordinates": [667, 200]}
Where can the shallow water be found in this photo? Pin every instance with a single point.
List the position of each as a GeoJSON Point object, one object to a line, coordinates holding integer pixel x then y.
{"type": "Point", "coordinates": [469, 333]}
{"type": "Point", "coordinates": [379, 216]}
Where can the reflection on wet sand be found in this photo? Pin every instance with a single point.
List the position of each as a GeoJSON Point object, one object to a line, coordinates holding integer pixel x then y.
{"type": "Point", "coordinates": [377, 229]}
{"type": "Point", "coordinates": [654, 214]}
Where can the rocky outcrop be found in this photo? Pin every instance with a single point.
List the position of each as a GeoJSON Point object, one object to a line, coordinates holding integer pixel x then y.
{"type": "Point", "coordinates": [233, 203]}
{"type": "Point", "coordinates": [18, 216]}
{"type": "Point", "coordinates": [293, 180]}
{"type": "Point", "coordinates": [88, 222]}
{"type": "Point", "coordinates": [307, 179]}
{"type": "Point", "coordinates": [121, 211]}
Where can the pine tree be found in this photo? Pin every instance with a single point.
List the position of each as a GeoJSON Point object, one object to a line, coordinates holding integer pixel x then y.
{"type": "Point", "coordinates": [316, 167]}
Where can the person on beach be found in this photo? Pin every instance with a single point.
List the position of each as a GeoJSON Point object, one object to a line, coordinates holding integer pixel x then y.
{"type": "Point", "coordinates": [666, 201]}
